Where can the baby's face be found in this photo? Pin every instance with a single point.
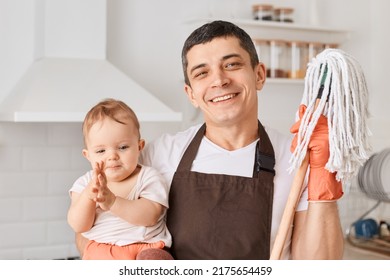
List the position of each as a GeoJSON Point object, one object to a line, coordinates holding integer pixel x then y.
{"type": "Point", "coordinates": [116, 145]}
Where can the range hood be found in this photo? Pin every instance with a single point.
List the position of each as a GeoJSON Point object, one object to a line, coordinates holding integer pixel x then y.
{"type": "Point", "coordinates": [64, 89]}
{"type": "Point", "coordinates": [69, 72]}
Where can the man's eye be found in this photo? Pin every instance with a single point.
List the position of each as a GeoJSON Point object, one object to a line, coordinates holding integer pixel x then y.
{"type": "Point", "coordinates": [200, 74]}
{"type": "Point", "coordinates": [232, 65]}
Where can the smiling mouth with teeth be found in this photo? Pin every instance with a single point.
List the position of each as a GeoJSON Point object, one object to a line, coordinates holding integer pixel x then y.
{"type": "Point", "coordinates": [223, 98]}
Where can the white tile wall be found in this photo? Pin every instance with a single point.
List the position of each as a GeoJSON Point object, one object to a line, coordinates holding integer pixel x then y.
{"type": "Point", "coordinates": [354, 204]}
{"type": "Point", "coordinates": [39, 163]}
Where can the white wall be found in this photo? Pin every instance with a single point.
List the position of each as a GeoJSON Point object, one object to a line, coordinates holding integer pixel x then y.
{"type": "Point", "coordinates": [39, 162]}
{"type": "Point", "coordinates": [379, 73]}
{"type": "Point", "coordinates": [16, 47]}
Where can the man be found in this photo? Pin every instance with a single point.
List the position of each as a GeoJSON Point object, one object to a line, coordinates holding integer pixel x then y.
{"type": "Point", "coordinates": [229, 179]}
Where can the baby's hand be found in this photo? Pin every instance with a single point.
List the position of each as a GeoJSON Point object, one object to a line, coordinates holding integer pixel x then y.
{"type": "Point", "coordinates": [93, 186]}
{"type": "Point", "coordinates": [105, 197]}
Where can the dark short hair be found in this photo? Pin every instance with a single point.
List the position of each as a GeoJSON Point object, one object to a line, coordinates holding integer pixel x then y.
{"type": "Point", "coordinates": [209, 31]}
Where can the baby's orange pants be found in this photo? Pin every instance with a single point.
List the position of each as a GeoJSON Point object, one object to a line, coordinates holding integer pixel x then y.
{"type": "Point", "coordinates": [102, 251]}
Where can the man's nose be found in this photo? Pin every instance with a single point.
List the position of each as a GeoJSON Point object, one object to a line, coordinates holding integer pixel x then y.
{"type": "Point", "coordinates": [220, 79]}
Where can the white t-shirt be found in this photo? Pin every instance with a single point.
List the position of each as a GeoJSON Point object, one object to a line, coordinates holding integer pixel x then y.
{"type": "Point", "coordinates": [165, 153]}
{"type": "Point", "coordinates": [111, 229]}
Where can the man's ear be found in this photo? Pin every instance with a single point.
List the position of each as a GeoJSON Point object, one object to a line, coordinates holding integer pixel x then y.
{"type": "Point", "coordinates": [260, 75]}
{"type": "Point", "coordinates": [190, 95]}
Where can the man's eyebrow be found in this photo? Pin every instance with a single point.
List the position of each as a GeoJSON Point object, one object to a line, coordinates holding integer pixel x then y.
{"type": "Point", "coordinates": [230, 56]}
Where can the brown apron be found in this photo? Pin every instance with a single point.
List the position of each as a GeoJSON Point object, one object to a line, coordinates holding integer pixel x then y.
{"type": "Point", "coordinates": [216, 216]}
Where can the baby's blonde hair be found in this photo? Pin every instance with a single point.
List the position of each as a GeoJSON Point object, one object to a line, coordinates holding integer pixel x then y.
{"type": "Point", "coordinates": [110, 108]}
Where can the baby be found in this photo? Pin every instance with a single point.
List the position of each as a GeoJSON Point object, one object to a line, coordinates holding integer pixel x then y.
{"type": "Point", "coordinates": [122, 209]}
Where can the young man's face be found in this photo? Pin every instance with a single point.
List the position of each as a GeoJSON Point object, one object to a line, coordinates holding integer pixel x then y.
{"type": "Point", "coordinates": [223, 83]}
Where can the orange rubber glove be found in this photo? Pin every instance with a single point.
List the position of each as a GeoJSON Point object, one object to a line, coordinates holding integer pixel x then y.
{"type": "Point", "coordinates": [322, 184]}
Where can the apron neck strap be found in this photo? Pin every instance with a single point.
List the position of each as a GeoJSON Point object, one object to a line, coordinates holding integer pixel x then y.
{"type": "Point", "coordinates": [190, 154]}
{"type": "Point", "coordinates": [264, 158]}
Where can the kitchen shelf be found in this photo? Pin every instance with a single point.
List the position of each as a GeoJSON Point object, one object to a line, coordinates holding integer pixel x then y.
{"type": "Point", "coordinates": [285, 81]}
{"type": "Point", "coordinates": [287, 31]}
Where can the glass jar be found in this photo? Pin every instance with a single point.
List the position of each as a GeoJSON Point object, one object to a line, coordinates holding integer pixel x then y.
{"type": "Point", "coordinates": [314, 49]}
{"type": "Point", "coordinates": [277, 60]}
{"type": "Point", "coordinates": [263, 51]}
{"type": "Point", "coordinates": [262, 12]}
{"type": "Point", "coordinates": [284, 14]}
{"type": "Point", "coordinates": [331, 46]}
{"type": "Point", "coordinates": [297, 60]}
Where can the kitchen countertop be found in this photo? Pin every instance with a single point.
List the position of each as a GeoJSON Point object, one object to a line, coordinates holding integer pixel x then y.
{"type": "Point", "coordinates": [352, 252]}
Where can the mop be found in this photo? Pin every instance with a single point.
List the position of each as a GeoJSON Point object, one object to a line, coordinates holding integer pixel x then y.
{"type": "Point", "coordinates": [335, 86]}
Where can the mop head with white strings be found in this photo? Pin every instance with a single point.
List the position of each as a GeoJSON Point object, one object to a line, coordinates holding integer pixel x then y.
{"type": "Point", "coordinates": [344, 101]}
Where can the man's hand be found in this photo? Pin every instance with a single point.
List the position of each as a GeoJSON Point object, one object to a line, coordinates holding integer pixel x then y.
{"type": "Point", "coordinates": [322, 184]}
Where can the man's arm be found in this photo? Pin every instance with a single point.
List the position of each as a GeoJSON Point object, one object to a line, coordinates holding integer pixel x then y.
{"type": "Point", "coordinates": [317, 233]}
